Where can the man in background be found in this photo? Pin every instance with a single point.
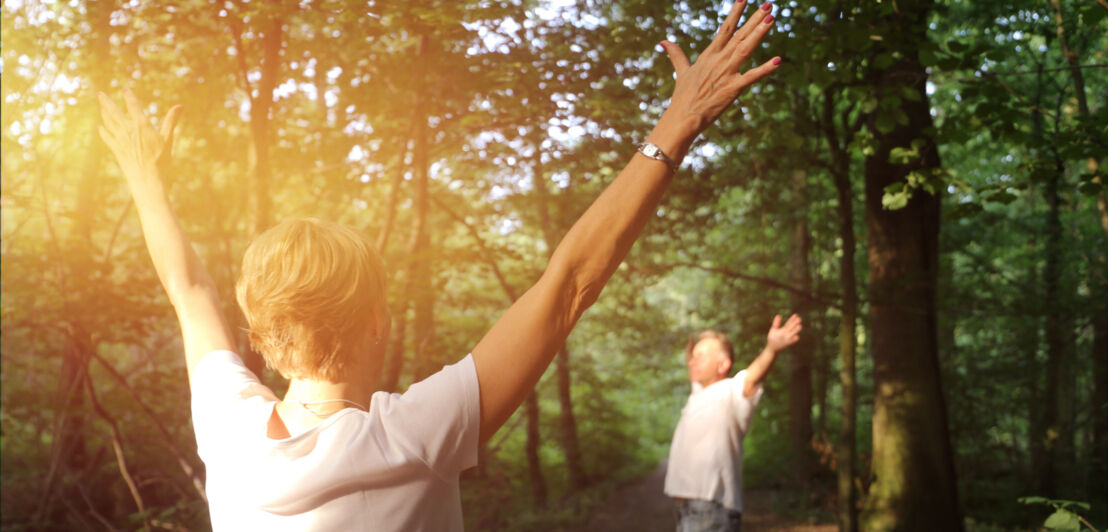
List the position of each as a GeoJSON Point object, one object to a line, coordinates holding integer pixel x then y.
{"type": "Point", "coordinates": [704, 475]}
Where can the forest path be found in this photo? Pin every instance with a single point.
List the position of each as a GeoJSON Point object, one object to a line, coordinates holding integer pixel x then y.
{"type": "Point", "coordinates": [641, 506]}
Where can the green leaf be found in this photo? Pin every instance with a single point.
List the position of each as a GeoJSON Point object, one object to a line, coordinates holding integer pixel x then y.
{"type": "Point", "coordinates": [1062, 520]}
{"type": "Point", "coordinates": [1034, 500]}
{"type": "Point", "coordinates": [948, 63]}
{"type": "Point", "coordinates": [896, 196]}
{"type": "Point", "coordinates": [910, 93]}
{"type": "Point", "coordinates": [1002, 196]}
{"type": "Point", "coordinates": [927, 57]}
{"type": "Point", "coordinates": [885, 122]}
{"type": "Point", "coordinates": [962, 210]}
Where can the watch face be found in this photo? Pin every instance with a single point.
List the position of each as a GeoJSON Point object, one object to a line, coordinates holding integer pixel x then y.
{"type": "Point", "coordinates": [650, 150]}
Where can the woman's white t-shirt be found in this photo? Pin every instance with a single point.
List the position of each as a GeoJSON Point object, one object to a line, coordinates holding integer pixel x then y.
{"type": "Point", "coordinates": [394, 467]}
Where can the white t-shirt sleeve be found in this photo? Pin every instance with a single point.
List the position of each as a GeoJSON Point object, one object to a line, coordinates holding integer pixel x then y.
{"type": "Point", "coordinates": [441, 418]}
{"type": "Point", "coordinates": [744, 406]}
{"type": "Point", "coordinates": [223, 393]}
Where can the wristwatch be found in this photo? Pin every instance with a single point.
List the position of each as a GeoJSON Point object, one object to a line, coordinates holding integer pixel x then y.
{"type": "Point", "coordinates": [652, 150]}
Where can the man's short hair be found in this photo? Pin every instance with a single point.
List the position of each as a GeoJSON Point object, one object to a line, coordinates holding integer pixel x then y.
{"type": "Point", "coordinates": [709, 333]}
{"type": "Point", "coordinates": [311, 291]}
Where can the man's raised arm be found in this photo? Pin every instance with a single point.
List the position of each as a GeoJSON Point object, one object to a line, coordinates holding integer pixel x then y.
{"type": "Point", "coordinates": [512, 357]}
{"type": "Point", "coordinates": [141, 152]}
{"type": "Point", "coordinates": [778, 338]}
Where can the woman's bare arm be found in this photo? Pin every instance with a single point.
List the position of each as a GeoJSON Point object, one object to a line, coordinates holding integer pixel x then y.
{"type": "Point", "coordinates": [141, 153]}
{"type": "Point", "coordinates": [512, 357]}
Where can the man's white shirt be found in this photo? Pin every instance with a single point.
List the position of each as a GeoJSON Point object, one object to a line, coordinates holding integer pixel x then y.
{"type": "Point", "coordinates": [706, 456]}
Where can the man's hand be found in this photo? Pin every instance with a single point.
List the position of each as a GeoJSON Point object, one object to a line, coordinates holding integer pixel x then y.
{"type": "Point", "coordinates": [782, 336]}
{"type": "Point", "coordinates": [778, 338]}
{"type": "Point", "coordinates": [139, 149]}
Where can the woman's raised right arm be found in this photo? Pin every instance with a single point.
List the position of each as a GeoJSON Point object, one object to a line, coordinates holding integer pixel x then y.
{"type": "Point", "coordinates": [513, 355]}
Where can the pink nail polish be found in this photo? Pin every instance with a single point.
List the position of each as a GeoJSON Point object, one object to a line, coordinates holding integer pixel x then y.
{"type": "Point", "coordinates": [777, 60]}
{"type": "Point", "coordinates": [769, 19]}
{"type": "Point", "coordinates": [767, 6]}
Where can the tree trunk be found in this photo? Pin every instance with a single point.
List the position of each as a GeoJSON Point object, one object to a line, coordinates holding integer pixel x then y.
{"type": "Point", "coordinates": [534, 467]}
{"type": "Point", "coordinates": [419, 256]}
{"type": "Point", "coordinates": [915, 487]}
{"type": "Point", "coordinates": [848, 499]}
{"type": "Point", "coordinates": [1091, 164]}
{"type": "Point", "coordinates": [846, 450]}
{"type": "Point", "coordinates": [567, 423]}
{"type": "Point", "coordinates": [800, 355]}
{"type": "Point", "coordinates": [394, 362]}
{"type": "Point", "coordinates": [260, 116]}
{"type": "Point", "coordinates": [1058, 435]}
{"type": "Point", "coordinates": [68, 450]}
{"type": "Point", "coordinates": [1097, 486]}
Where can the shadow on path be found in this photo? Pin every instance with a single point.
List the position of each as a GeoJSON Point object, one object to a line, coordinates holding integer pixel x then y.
{"type": "Point", "coordinates": [641, 506]}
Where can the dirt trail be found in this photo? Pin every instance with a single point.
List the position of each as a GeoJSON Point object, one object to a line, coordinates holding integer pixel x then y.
{"type": "Point", "coordinates": [641, 506]}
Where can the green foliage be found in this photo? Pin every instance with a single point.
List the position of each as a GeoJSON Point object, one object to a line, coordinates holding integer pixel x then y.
{"type": "Point", "coordinates": [1065, 516]}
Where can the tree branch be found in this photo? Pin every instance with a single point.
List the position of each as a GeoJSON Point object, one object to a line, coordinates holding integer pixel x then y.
{"type": "Point", "coordinates": [117, 447]}
{"type": "Point", "coordinates": [168, 439]}
{"type": "Point", "coordinates": [739, 275]}
{"type": "Point", "coordinates": [509, 291]}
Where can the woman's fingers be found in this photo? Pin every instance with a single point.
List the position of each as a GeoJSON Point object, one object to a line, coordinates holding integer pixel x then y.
{"type": "Point", "coordinates": [169, 125]}
{"type": "Point", "coordinates": [754, 74]}
{"type": "Point", "coordinates": [676, 56]}
{"type": "Point", "coordinates": [744, 48]}
{"type": "Point", "coordinates": [109, 113]}
{"type": "Point", "coordinates": [107, 137]}
{"type": "Point", "coordinates": [729, 25]}
{"type": "Point", "coordinates": [133, 107]}
{"type": "Point", "coordinates": [755, 22]}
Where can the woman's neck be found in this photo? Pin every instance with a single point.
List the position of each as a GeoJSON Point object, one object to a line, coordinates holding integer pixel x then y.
{"type": "Point", "coordinates": [326, 397]}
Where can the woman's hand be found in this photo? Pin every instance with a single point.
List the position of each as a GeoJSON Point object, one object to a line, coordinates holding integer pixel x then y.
{"type": "Point", "coordinates": [704, 89]}
{"type": "Point", "coordinates": [139, 149]}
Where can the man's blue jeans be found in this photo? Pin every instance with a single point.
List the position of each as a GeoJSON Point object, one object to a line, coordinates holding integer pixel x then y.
{"type": "Point", "coordinates": [695, 515]}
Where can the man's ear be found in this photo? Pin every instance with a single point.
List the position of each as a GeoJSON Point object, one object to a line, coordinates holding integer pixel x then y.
{"type": "Point", "coordinates": [724, 366]}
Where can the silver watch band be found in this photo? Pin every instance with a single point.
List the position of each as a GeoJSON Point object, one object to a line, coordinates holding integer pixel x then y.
{"type": "Point", "coordinates": [652, 150]}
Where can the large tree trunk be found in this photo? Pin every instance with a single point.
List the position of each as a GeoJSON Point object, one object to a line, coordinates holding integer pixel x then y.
{"type": "Point", "coordinates": [913, 462]}
{"type": "Point", "coordinates": [800, 355]}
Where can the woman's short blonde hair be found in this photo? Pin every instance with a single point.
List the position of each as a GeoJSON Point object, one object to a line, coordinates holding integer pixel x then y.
{"type": "Point", "coordinates": [311, 291]}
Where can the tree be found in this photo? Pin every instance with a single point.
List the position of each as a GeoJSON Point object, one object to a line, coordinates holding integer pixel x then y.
{"type": "Point", "coordinates": [913, 464]}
